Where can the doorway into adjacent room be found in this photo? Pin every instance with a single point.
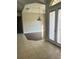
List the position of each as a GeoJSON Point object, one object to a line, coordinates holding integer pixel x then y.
{"type": "Point", "coordinates": [33, 16]}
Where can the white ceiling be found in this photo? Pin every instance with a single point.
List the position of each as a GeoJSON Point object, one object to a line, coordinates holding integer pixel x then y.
{"type": "Point", "coordinates": [53, 2]}
{"type": "Point", "coordinates": [34, 8]}
{"type": "Point", "coordinates": [21, 3]}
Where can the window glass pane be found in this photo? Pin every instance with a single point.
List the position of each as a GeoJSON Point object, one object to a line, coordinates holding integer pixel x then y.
{"type": "Point", "coordinates": [52, 25]}
{"type": "Point", "coordinates": [59, 27]}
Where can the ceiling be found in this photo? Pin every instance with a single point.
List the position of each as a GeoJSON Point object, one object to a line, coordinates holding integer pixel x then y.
{"type": "Point", "coordinates": [53, 2]}
{"type": "Point", "coordinates": [21, 3]}
{"type": "Point", "coordinates": [34, 8]}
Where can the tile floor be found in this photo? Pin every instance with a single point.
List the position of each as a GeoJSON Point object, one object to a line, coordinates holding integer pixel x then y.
{"type": "Point", "coordinates": [29, 49]}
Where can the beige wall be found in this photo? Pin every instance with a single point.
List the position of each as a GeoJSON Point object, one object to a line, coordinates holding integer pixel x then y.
{"type": "Point", "coordinates": [30, 23]}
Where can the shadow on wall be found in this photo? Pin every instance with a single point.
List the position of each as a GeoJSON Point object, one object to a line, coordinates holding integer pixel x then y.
{"type": "Point", "coordinates": [19, 25]}
{"type": "Point", "coordinates": [34, 36]}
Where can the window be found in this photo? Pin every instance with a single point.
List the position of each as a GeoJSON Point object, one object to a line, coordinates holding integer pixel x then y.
{"type": "Point", "coordinates": [52, 25]}
{"type": "Point", "coordinates": [55, 24]}
{"type": "Point", "coordinates": [59, 27]}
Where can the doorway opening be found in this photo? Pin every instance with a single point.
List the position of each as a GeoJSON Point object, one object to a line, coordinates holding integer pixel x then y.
{"type": "Point", "coordinates": [33, 16]}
